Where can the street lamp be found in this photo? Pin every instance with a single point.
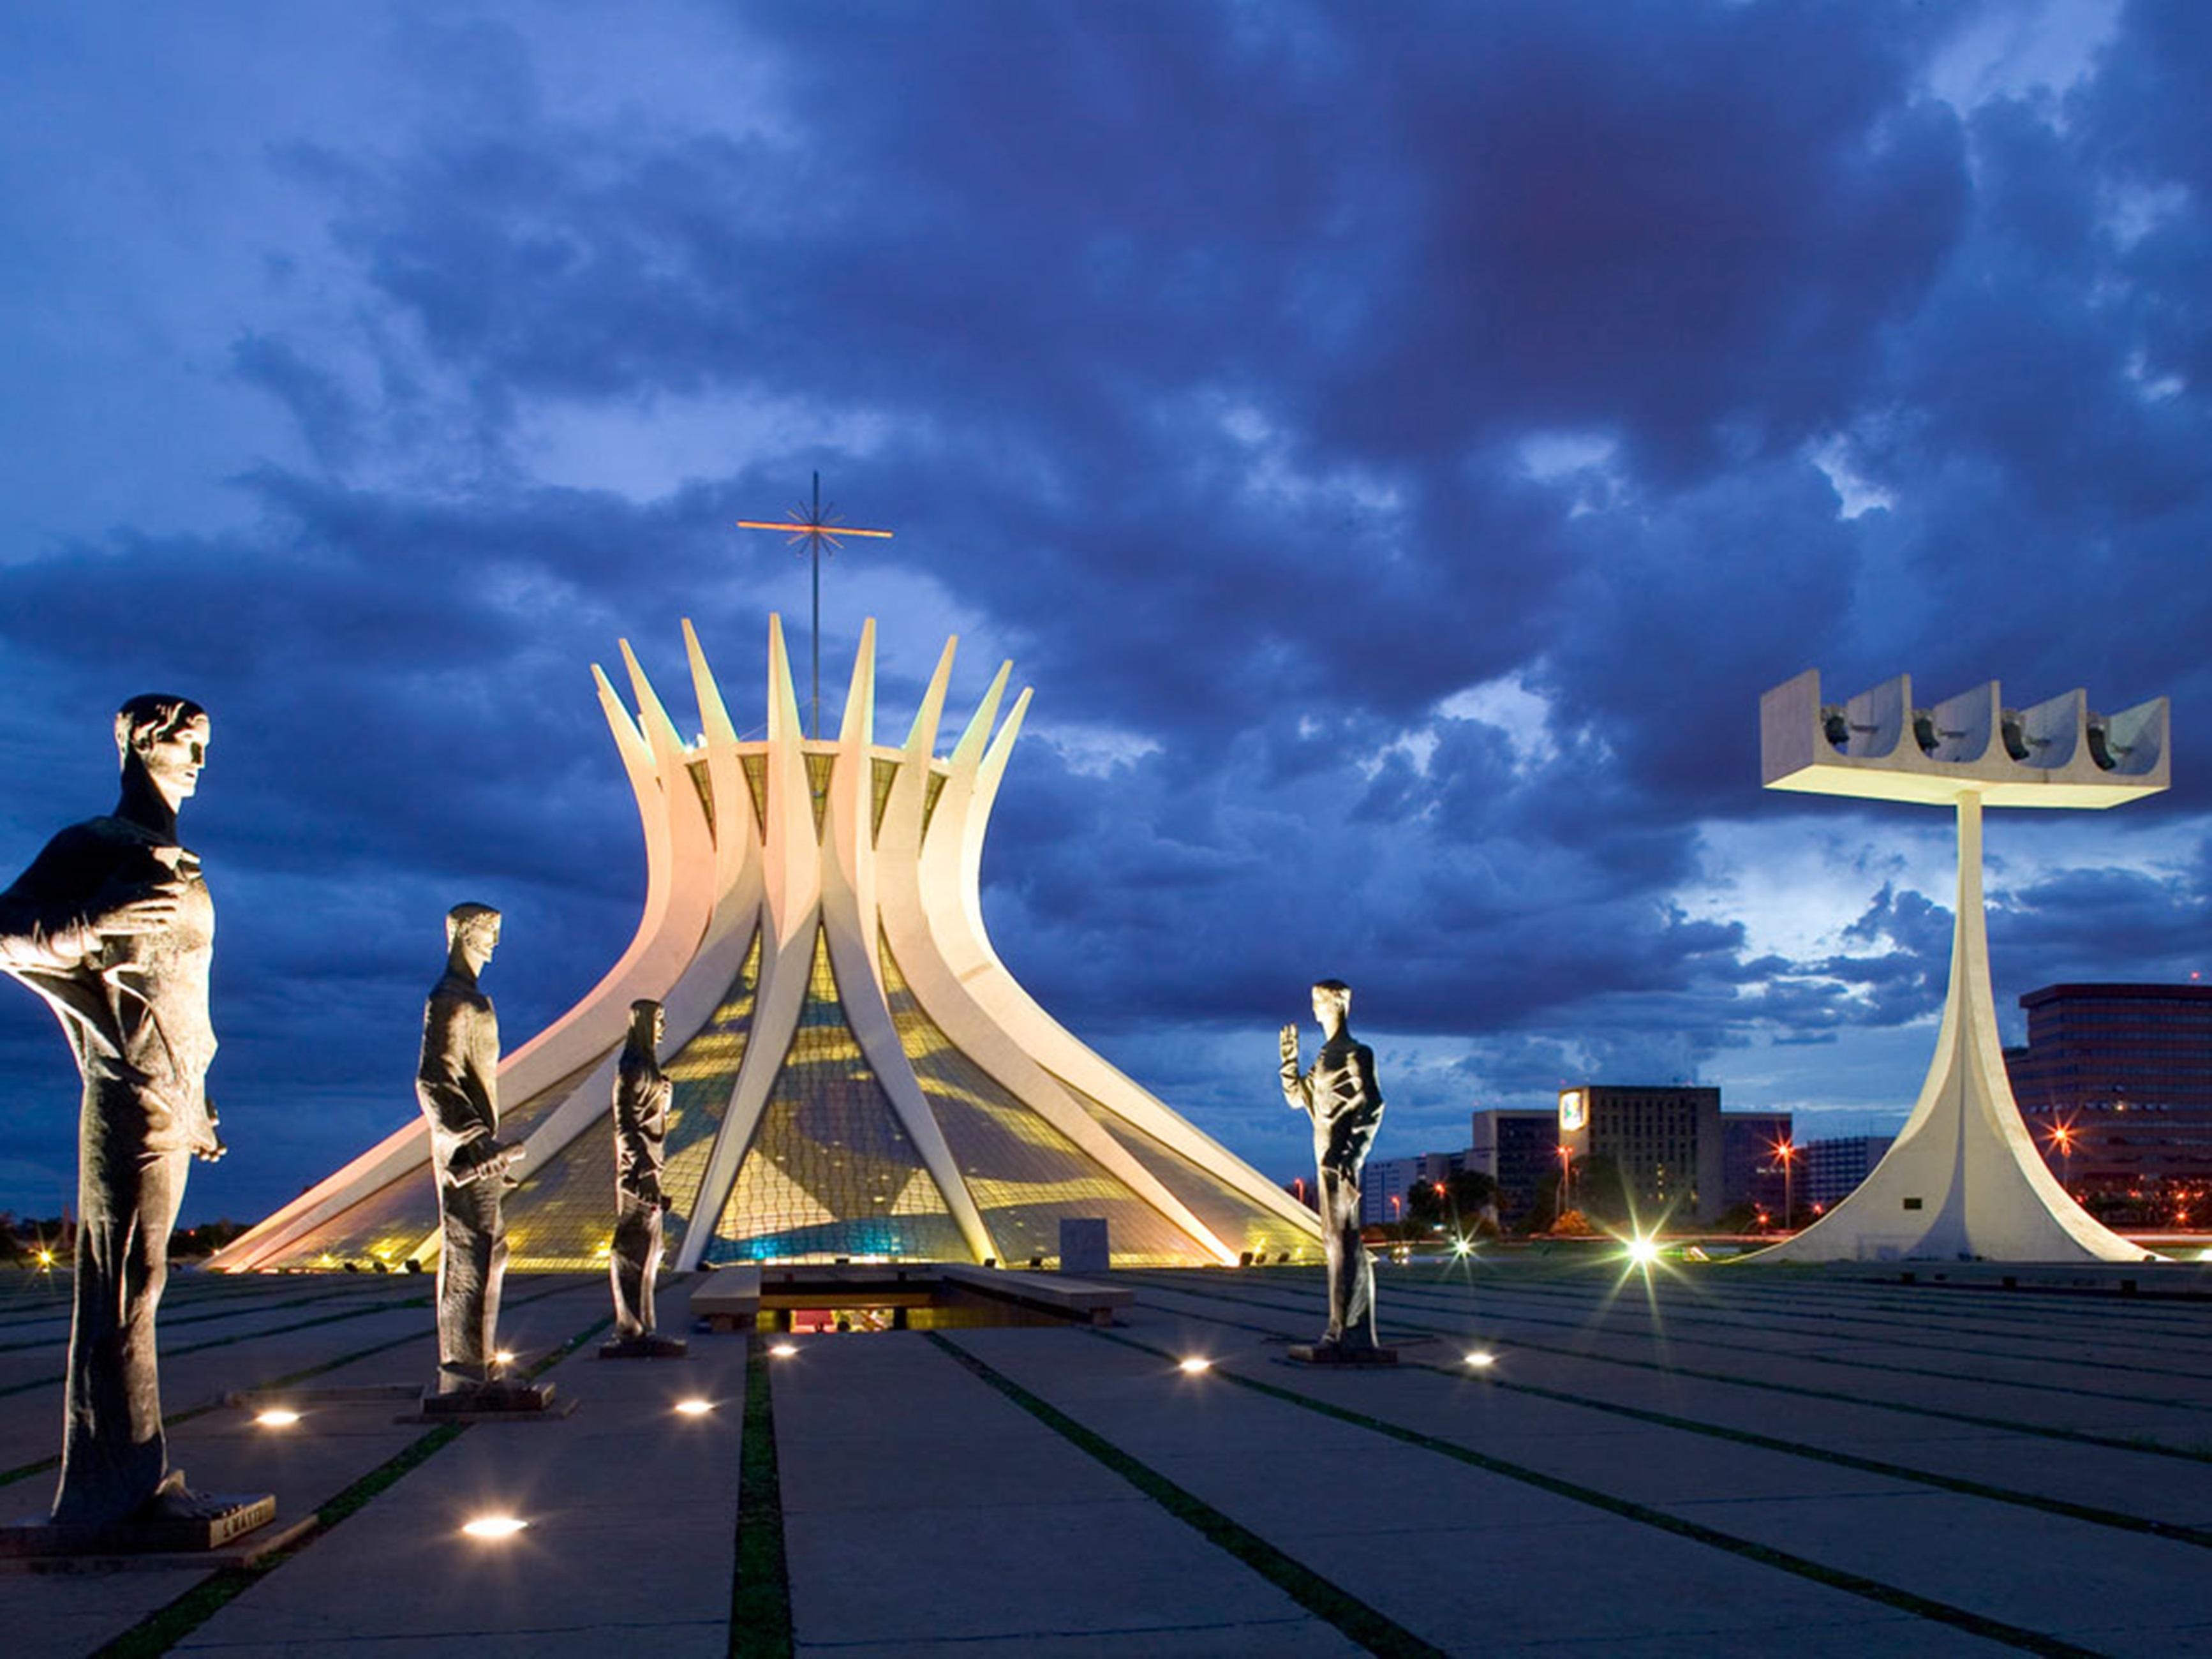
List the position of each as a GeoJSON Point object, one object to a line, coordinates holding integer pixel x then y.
{"type": "Point", "coordinates": [1566, 1179]}
{"type": "Point", "coordinates": [2062, 1136]}
{"type": "Point", "coordinates": [1786, 1153]}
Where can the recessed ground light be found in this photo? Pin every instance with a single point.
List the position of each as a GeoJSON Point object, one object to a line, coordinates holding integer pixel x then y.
{"type": "Point", "coordinates": [693, 1408]}
{"type": "Point", "coordinates": [277, 1418]}
{"type": "Point", "coordinates": [1481, 1358]}
{"type": "Point", "coordinates": [784, 1350]}
{"type": "Point", "coordinates": [504, 1357]}
{"type": "Point", "coordinates": [1643, 1251]}
{"type": "Point", "coordinates": [495, 1526]}
{"type": "Point", "coordinates": [1193, 1366]}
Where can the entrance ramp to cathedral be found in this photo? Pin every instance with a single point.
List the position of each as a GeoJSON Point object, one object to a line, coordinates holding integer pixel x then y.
{"type": "Point", "coordinates": [858, 1298]}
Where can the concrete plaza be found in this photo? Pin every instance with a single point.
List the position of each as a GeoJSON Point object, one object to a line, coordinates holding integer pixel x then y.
{"type": "Point", "coordinates": [1708, 1460]}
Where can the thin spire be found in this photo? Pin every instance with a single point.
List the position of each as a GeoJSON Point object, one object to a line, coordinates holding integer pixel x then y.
{"type": "Point", "coordinates": [818, 529]}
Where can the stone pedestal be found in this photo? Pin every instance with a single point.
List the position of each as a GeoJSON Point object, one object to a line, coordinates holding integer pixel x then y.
{"type": "Point", "coordinates": [234, 1515]}
{"type": "Point", "coordinates": [491, 1402]}
{"type": "Point", "coordinates": [1327, 1354]}
{"type": "Point", "coordinates": [644, 1348]}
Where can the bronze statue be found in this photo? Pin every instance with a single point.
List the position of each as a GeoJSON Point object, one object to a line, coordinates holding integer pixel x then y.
{"type": "Point", "coordinates": [641, 1112]}
{"type": "Point", "coordinates": [1340, 1096]}
{"type": "Point", "coordinates": [113, 925]}
{"type": "Point", "coordinates": [458, 1085]}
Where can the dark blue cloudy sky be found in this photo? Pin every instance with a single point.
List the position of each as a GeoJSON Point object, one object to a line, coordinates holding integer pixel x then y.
{"type": "Point", "coordinates": [1398, 443]}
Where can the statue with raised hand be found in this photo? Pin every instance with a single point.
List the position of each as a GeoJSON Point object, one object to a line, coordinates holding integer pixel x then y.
{"type": "Point", "coordinates": [458, 1086]}
{"type": "Point", "coordinates": [113, 925]}
{"type": "Point", "coordinates": [1340, 1096]}
{"type": "Point", "coordinates": [641, 1125]}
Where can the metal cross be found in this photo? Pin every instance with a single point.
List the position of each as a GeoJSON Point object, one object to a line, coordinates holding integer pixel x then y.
{"type": "Point", "coordinates": [816, 528]}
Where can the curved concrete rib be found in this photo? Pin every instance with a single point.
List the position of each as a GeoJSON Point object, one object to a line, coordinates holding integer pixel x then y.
{"type": "Point", "coordinates": [720, 872]}
{"type": "Point", "coordinates": [683, 957]}
{"type": "Point", "coordinates": [951, 889]}
{"type": "Point", "coordinates": [905, 919]}
{"type": "Point", "coordinates": [849, 867]}
{"type": "Point", "coordinates": [790, 914]}
{"type": "Point", "coordinates": [588, 1031]}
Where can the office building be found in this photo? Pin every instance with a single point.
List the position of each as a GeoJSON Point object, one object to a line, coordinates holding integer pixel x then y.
{"type": "Point", "coordinates": [1665, 1140]}
{"type": "Point", "coordinates": [1752, 1150]}
{"type": "Point", "coordinates": [1519, 1150]}
{"type": "Point", "coordinates": [2115, 1083]}
{"type": "Point", "coordinates": [1829, 1170]}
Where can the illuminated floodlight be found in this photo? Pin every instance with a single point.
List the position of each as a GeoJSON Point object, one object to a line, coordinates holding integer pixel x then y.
{"type": "Point", "coordinates": [276, 1417]}
{"type": "Point", "coordinates": [784, 1350]}
{"type": "Point", "coordinates": [504, 1357]}
{"type": "Point", "coordinates": [1195, 1365]}
{"type": "Point", "coordinates": [1481, 1358]}
{"type": "Point", "coordinates": [1643, 1251]}
{"type": "Point", "coordinates": [693, 1408]}
{"type": "Point", "coordinates": [46, 1258]}
{"type": "Point", "coordinates": [1463, 1247]}
{"type": "Point", "coordinates": [495, 1526]}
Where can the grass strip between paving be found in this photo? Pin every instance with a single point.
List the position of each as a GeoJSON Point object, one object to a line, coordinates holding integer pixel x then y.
{"type": "Point", "coordinates": [2120, 1520]}
{"type": "Point", "coordinates": [1371, 1628]}
{"type": "Point", "coordinates": [24, 1471]}
{"type": "Point", "coordinates": [1600, 1326]}
{"type": "Point", "coordinates": [1398, 1323]}
{"type": "Point", "coordinates": [245, 1336]}
{"type": "Point", "coordinates": [243, 1309]}
{"type": "Point", "coordinates": [1659, 1305]}
{"type": "Point", "coordinates": [1872, 1590]}
{"type": "Point", "coordinates": [166, 1627]}
{"type": "Point", "coordinates": [760, 1589]}
{"type": "Point", "coordinates": [162, 1628]}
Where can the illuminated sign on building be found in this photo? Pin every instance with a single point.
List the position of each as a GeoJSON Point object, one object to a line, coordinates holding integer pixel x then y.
{"type": "Point", "coordinates": [1572, 1112]}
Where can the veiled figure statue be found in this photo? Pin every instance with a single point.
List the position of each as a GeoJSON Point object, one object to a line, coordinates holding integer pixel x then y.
{"type": "Point", "coordinates": [640, 1125]}
{"type": "Point", "coordinates": [111, 924]}
{"type": "Point", "coordinates": [1340, 1096]}
{"type": "Point", "coordinates": [458, 1087]}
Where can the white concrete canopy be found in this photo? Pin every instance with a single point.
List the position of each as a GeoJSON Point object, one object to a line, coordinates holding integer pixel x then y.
{"type": "Point", "coordinates": [1962, 1181]}
{"type": "Point", "coordinates": [857, 1073]}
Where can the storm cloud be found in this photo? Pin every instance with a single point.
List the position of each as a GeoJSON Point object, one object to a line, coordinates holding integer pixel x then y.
{"type": "Point", "coordinates": [1398, 446]}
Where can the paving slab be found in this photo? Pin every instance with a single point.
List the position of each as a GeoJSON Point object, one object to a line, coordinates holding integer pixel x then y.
{"type": "Point", "coordinates": [1547, 1546]}
{"type": "Point", "coordinates": [1023, 1543]}
{"type": "Point", "coordinates": [632, 1517]}
{"type": "Point", "coordinates": [2158, 1488]}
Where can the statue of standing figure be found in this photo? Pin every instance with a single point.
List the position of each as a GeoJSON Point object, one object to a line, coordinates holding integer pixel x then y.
{"type": "Point", "coordinates": [641, 1111]}
{"type": "Point", "coordinates": [458, 1086]}
{"type": "Point", "coordinates": [1340, 1096]}
{"type": "Point", "coordinates": [113, 925]}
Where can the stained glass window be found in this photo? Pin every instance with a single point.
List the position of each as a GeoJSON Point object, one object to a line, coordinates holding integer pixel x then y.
{"type": "Point", "coordinates": [518, 1119]}
{"type": "Point", "coordinates": [562, 1215]}
{"type": "Point", "coordinates": [704, 1071]}
{"type": "Point", "coordinates": [1237, 1221]}
{"type": "Point", "coordinates": [819, 768]}
{"type": "Point", "coordinates": [886, 773]}
{"type": "Point", "coordinates": [1024, 1176]}
{"type": "Point", "coordinates": [704, 783]}
{"type": "Point", "coordinates": [382, 1227]}
{"type": "Point", "coordinates": [830, 1172]}
{"type": "Point", "coordinates": [398, 1217]}
{"type": "Point", "coordinates": [755, 765]}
